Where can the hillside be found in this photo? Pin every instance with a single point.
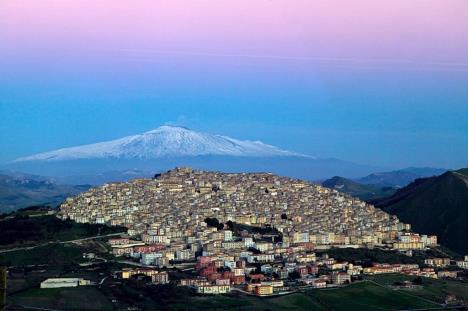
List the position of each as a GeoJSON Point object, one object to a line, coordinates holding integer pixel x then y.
{"type": "Point", "coordinates": [23, 190]}
{"type": "Point", "coordinates": [435, 205]}
{"type": "Point", "coordinates": [22, 230]}
{"type": "Point", "coordinates": [193, 196]}
{"type": "Point", "coordinates": [355, 189]}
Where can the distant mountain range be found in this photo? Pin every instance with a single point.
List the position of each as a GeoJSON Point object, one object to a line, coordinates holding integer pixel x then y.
{"type": "Point", "coordinates": [379, 185]}
{"type": "Point", "coordinates": [400, 178]}
{"type": "Point", "coordinates": [170, 146]}
{"type": "Point", "coordinates": [358, 190]}
{"type": "Point", "coordinates": [19, 190]}
{"type": "Point", "coordinates": [435, 205]}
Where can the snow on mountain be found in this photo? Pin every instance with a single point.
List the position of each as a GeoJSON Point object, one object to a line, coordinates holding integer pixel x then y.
{"type": "Point", "coordinates": [165, 141]}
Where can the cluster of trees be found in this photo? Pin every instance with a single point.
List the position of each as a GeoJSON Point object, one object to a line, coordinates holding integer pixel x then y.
{"type": "Point", "coordinates": [214, 222]}
{"type": "Point", "coordinates": [238, 228]}
{"type": "Point", "coordinates": [366, 256]}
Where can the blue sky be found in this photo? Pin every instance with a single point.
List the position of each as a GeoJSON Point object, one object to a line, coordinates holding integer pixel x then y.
{"type": "Point", "coordinates": [388, 97]}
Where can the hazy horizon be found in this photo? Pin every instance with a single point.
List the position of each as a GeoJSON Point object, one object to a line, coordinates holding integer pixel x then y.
{"type": "Point", "coordinates": [379, 83]}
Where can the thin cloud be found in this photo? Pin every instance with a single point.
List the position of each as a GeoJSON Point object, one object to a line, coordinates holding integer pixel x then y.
{"type": "Point", "coordinates": [435, 65]}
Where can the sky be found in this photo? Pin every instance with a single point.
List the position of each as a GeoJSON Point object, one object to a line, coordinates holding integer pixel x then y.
{"type": "Point", "coordinates": [374, 82]}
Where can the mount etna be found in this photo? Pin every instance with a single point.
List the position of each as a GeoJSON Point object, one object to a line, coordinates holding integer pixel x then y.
{"type": "Point", "coordinates": [169, 146]}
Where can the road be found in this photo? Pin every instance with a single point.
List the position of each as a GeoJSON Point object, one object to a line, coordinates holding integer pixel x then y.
{"type": "Point", "coordinates": [183, 266]}
{"type": "Point", "coordinates": [59, 242]}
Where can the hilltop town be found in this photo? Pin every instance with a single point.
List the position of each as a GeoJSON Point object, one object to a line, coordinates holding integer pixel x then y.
{"type": "Point", "coordinates": [172, 208]}
{"type": "Point", "coordinates": [252, 229]}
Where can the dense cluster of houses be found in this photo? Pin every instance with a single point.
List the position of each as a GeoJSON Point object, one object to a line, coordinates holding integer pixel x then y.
{"type": "Point", "coordinates": [282, 220]}
{"type": "Point", "coordinates": [220, 275]}
{"type": "Point", "coordinates": [171, 208]}
{"type": "Point", "coordinates": [463, 263]}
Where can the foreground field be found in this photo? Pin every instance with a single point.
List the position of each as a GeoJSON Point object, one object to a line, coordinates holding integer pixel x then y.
{"type": "Point", "coordinates": [82, 298]}
{"type": "Point", "coordinates": [368, 296]}
{"type": "Point", "coordinates": [434, 290]}
{"type": "Point", "coordinates": [54, 254]}
{"type": "Point", "coordinates": [363, 296]}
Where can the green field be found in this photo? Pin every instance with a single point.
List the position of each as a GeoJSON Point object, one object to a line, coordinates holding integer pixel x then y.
{"type": "Point", "coordinates": [23, 230]}
{"type": "Point", "coordinates": [290, 302]}
{"type": "Point", "coordinates": [79, 298]}
{"type": "Point", "coordinates": [369, 296]}
{"type": "Point", "coordinates": [360, 296]}
{"type": "Point", "coordinates": [182, 299]}
{"type": "Point", "coordinates": [432, 289]}
{"type": "Point", "coordinates": [53, 254]}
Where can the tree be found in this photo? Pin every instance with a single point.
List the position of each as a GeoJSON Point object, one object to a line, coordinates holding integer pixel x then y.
{"type": "Point", "coordinates": [418, 280]}
{"type": "Point", "coordinates": [294, 275]}
{"type": "Point", "coordinates": [214, 222]}
{"type": "Point", "coordinates": [254, 250]}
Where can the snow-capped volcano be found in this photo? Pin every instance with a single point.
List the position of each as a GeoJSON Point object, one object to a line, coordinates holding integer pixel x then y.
{"type": "Point", "coordinates": [163, 142]}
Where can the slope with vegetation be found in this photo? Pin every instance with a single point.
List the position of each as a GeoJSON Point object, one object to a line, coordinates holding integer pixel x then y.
{"type": "Point", "coordinates": [19, 230]}
{"type": "Point", "coordinates": [435, 205]}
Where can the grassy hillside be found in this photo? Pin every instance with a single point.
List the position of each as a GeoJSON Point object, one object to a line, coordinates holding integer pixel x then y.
{"type": "Point", "coordinates": [57, 255]}
{"type": "Point", "coordinates": [79, 298]}
{"type": "Point", "coordinates": [23, 230]}
{"type": "Point", "coordinates": [436, 205]}
{"type": "Point", "coordinates": [432, 289]}
{"type": "Point", "coordinates": [369, 296]}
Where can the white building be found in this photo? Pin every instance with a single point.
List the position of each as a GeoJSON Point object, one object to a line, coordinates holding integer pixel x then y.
{"type": "Point", "coordinates": [149, 258]}
{"type": "Point", "coordinates": [64, 282]}
{"type": "Point", "coordinates": [213, 289]}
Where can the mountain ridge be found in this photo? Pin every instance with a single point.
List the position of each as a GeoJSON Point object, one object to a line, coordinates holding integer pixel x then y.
{"type": "Point", "coordinates": [400, 178]}
{"type": "Point", "coordinates": [20, 190]}
{"type": "Point", "coordinates": [356, 189]}
{"type": "Point", "coordinates": [435, 205]}
{"type": "Point", "coordinates": [163, 142]}
{"type": "Point", "coordinates": [380, 185]}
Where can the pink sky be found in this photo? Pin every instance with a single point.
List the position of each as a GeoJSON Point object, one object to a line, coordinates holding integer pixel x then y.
{"type": "Point", "coordinates": [426, 32]}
